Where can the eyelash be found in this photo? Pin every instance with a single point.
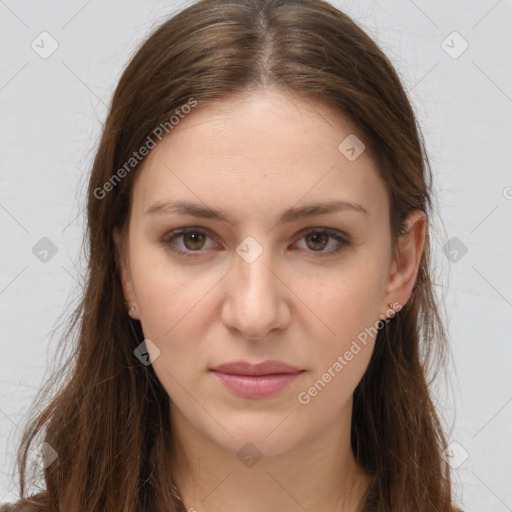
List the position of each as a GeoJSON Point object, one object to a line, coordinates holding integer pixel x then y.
{"type": "Point", "coordinates": [173, 235]}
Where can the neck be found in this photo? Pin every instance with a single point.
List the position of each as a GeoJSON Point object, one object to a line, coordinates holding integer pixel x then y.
{"type": "Point", "coordinates": [318, 475]}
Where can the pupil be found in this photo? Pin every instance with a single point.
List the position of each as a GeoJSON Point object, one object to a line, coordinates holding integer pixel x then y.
{"type": "Point", "coordinates": [319, 238]}
{"type": "Point", "coordinates": [196, 238]}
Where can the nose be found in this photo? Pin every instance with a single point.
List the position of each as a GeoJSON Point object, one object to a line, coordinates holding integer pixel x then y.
{"type": "Point", "coordinates": [256, 298]}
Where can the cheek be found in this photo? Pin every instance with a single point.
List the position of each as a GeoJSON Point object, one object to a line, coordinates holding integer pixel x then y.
{"type": "Point", "coordinates": [342, 352]}
{"type": "Point", "coordinates": [166, 292]}
{"type": "Point", "coordinates": [350, 303]}
{"type": "Point", "coordinates": [349, 308]}
{"type": "Point", "coordinates": [175, 309]}
{"type": "Point", "coordinates": [351, 334]}
{"type": "Point", "coordinates": [169, 302]}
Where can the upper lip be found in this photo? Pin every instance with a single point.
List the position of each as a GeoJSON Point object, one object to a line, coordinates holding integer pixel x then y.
{"type": "Point", "coordinates": [263, 368]}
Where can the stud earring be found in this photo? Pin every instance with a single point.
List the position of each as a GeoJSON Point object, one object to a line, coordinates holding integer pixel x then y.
{"type": "Point", "coordinates": [133, 308]}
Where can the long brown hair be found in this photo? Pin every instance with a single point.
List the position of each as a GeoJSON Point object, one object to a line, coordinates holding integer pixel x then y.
{"type": "Point", "coordinates": [109, 421]}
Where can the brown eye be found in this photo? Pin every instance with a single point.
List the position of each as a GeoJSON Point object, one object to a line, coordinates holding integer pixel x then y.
{"type": "Point", "coordinates": [193, 240]}
{"type": "Point", "coordinates": [318, 240]}
{"type": "Point", "coordinates": [188, 242]}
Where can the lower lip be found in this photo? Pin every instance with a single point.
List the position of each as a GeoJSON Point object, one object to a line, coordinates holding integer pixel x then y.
{"type": "Point", "coordinates": [256, 386]}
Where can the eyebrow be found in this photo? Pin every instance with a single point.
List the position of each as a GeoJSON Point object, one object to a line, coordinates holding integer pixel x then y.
{"type": "Point", "coordinates": [288, 216]}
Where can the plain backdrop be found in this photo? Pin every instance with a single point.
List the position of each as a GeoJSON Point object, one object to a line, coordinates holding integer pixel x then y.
{"type": "Point", "coordinates": [455, 60]}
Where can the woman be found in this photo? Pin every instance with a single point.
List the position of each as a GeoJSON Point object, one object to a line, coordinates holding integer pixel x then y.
{"type": "Point", "coordinates": [259, 321]}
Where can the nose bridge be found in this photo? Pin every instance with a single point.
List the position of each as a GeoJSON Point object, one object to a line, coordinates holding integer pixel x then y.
{"type": "Point", "coordinates": [256, 281]}
{"type": "Point", "coordinates": [255, 301]}
{"type": "Point", "coordinates": [253, 269]}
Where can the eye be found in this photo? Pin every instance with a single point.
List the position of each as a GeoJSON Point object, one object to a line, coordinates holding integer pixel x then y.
{"type": "Point", "coordinates": [192, 240]}
{"type": "Point", "coordinates": [317, 239]}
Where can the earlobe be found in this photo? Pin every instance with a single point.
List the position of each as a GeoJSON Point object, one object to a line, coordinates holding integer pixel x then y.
{"type": "Point", "coordinates": [406, 265]}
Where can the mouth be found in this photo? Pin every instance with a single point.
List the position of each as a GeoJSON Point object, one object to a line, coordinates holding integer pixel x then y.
{"type": "Point", "coordinates": [256, 386]}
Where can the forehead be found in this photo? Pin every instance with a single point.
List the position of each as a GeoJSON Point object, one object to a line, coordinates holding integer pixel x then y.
{"type": "Point", "coordinates": [262, 151]}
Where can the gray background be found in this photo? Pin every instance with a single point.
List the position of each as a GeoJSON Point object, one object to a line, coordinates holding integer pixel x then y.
{"type": "Point", "coordinates": [52, 111]}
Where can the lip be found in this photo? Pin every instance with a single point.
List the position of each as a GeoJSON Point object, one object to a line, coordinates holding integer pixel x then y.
{"type": "Point", "coordinates": [263, 368]}
{"type": "Point", "coordinates": [256, 386]}
{"type": "Point", "coordinates": [256, 380]}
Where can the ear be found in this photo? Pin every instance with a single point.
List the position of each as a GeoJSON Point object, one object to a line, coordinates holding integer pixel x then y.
{"type": "Point", "coordinates": [405, 265]}
{"type": "Point", "coordinates": [123, 266]}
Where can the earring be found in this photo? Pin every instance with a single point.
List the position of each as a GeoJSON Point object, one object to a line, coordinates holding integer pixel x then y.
{"type": "Point", "coordinates": [383, 316]}
{"type": "Point", "coordinates": [133, 308]}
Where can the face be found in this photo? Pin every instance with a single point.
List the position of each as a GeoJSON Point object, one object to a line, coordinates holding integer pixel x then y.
{"type": "Point", "coordinates": [265, 277]}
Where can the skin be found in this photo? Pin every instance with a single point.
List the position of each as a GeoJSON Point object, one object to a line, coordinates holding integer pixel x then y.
{"type": "Point", "coordinates": [253, 157]}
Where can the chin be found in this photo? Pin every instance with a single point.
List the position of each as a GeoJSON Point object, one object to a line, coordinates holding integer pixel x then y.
{"type": "Point", "coordinates": [256, 439]}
